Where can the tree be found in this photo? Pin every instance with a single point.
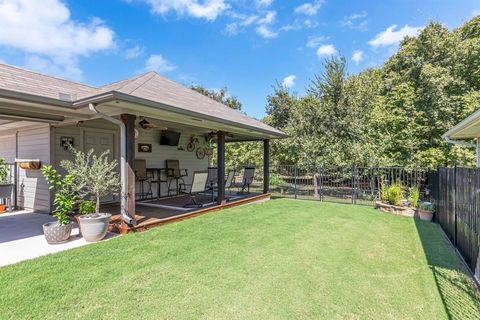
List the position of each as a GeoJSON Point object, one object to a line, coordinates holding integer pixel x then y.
{"type": "Point", "coordinates": [221, 96]}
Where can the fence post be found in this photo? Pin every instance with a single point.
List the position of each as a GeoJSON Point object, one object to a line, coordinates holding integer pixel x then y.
{"type": "Point", "coordinates": [455, 205]}
{"type": "Point", "coordinates": [295, 180]}
{"type": "Point", "coordinates": [353, 185]}
{"type": "Point", "coordinates": [321, 183]}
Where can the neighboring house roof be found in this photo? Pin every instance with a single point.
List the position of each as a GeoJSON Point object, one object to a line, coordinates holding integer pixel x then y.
{"type": "Point", "coordinates": [469, 128]}
{"type": "Point", "coordinates": [149, 86]}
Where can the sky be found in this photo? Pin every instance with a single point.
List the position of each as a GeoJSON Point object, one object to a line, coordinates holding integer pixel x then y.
{"type": "Point", "coordinates": [244, 45]}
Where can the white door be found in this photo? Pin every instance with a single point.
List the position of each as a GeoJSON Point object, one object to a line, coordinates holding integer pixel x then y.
{"type": "Point", "coordinates": [100, 142]}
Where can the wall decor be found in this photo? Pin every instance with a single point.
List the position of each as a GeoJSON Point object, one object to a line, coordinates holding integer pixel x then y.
{"type": "Point", "coordinates": [66, 142]}
{"type": "Point", "coordinates": [144, 147]}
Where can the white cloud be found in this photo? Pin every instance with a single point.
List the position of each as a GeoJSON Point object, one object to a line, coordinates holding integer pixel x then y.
{"type": "Point", "coordinates": [356, 21]}
{"type": "Point", "coordinates": [326, 50]}
{"type": "Point", "coordinates": [263, 3]}
{"type": "Point", "coordinates": [52, 40]}
{"type": "Point", "coordinates": [476, 12]}
{"type": "Point", "coordinates": [156, 62]}
{"type": "Point", "coordinates": [314, 42]}
{"type": "Point", "coordinates": [265, 32]}
{"type": "Point", "coordinates": [207, 9]}
{"type": "Point", "coordinates": [391, 37]}
{"type": "Point", "coordinates": [357, 56]}
{"type": "Point", "coordinates": [269, 18]}
{"type": "Point", "coordinates": [289, 81]}
{"type": "Point", "coordinates": [310, 9]}
{"type": "Point", "coordinates": [134, 52]}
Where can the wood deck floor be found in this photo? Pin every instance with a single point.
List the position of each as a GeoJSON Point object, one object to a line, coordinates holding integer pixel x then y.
{"type": "Point", "coordinates": [162, 211]}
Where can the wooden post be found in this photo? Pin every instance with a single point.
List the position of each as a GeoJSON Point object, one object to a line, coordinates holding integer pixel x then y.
{"type": "Point", "coordinates": [129, 121]}
{"type": "Point", "coordinates": [266, 166]}
{"type": "Point", "coordinates": [221, 167]}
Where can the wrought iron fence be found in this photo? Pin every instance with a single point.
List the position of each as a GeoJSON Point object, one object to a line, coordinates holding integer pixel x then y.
{"type": "Point", "coordinates": [357, 185]}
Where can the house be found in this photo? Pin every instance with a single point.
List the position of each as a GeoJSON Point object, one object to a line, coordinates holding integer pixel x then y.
{"type": "Point", "coordinates": [40, 115]}
{"type": "Point", "coordinates": [466, 131]}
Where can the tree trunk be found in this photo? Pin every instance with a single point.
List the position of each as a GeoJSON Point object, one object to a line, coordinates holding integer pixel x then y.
{"type": "Point", "coordinates": [97, 207]}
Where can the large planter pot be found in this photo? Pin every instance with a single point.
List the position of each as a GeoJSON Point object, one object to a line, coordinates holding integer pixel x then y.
{"type": "Point", "coordinates": [94, 226]}
{"type": "Point", "coordinates": [425, 215]}
{"type": "Point", "coordinates": [56, 233]}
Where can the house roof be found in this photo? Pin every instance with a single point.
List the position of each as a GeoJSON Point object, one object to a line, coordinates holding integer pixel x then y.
{"type": "Point", "coordinates": [148, 87]}
{"type": "Point", "coordinates": [469, 128]}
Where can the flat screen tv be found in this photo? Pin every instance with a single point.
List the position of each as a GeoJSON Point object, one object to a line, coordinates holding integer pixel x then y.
{"type": "Point", "coordinates": [169, 138]}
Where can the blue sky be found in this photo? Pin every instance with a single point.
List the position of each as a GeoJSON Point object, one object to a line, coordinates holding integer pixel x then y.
{"type": "Point", "coordinates": [245, 45]}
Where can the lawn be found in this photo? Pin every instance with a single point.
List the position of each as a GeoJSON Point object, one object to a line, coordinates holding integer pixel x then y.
{"type": "Point", "coordinates": [280, 259]}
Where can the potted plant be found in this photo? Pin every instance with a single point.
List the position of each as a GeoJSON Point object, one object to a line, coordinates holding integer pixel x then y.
{"type": "Point", "coordinates": [5, 187]}
{"type": "Point", "coordinates": [426, 210]}
{"type": "Point", "coordinates": [209, 146]}
{"type": "Point", "coordinates": [97, 177]}
{"type": "Point", "coordinates": [66, 196]}
{"type": "Point", "coordinates": [85, 207]}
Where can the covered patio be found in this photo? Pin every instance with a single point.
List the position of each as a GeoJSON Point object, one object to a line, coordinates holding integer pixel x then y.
{"type": "Point", "coordinates": [146, 122]}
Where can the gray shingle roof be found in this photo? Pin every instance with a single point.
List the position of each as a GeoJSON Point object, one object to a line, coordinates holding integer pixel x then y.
{"type": "Point", "coordinates": [150, 86]}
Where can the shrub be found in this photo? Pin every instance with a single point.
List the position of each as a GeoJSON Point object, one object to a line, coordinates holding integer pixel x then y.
{"type": "Point", "coordinates": [414, 196]}
{"type": "Point", "coordinates": [87, 207]}
{"type": "Point", "coordinates": [66, 194]}
{"type": "Point", "coordinates": [275, 180]}
{"type": "Point", "coordinates": [3, 171]}
{"type": "Point", "coordinates": [426, 206]}
{"type": "Point", "coordinates": [395, 194]}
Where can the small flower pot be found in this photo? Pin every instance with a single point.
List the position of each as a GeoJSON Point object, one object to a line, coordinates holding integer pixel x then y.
{"type": "Point", "coordinates": [425, 215]}
{"type": "Point", "coordinates": [56, 233]}
{"type": "Point", "coordinates": [94, 226]}
{"type": "Point", "coordinates": [208, 152]}
{"type": "Point", "coordinates": [3, 208]}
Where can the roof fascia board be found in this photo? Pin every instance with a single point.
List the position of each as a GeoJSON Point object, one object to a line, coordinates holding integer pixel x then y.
{"type": "Point", "coordinates": [115, 95]}
{"type": "Point", "coordinates": [469, 121]}
{"type": "Point", "coordinates": [34, 98]}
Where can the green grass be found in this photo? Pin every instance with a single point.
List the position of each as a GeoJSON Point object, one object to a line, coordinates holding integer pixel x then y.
{"type": "Point", "coordinates": [280, 259]}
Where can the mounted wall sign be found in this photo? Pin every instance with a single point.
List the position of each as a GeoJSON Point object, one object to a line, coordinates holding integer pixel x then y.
{"type": "Point", "coordinates": [144, 147]}
{"type": "Point", "coordinates": [66, 142]}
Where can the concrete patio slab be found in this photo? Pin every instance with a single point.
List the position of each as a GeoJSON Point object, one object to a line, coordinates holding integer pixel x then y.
{"type": "Point", "coordinates": [21, 237]}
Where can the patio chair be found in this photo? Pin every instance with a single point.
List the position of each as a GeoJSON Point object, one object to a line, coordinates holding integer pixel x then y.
{"type": "Point", "coordinates": [142, 177]}
{"type": "Point", "coordinates": [212, 180]}
{"type": "Point", "coordinates": [248, 176]}
{"type": "Point", "coordinates": [230, 179]}
{"type": "Point", "coordinates": [197, 186]}
{"type": "Point", "coordinates": [174, 173]}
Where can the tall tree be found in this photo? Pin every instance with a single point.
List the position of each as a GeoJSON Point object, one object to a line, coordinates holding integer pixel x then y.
{"type": "Point", "coordinates": [220, 95]}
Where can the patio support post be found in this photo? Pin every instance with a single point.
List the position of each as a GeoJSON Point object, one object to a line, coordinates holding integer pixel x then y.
{"type": "Point", "coordinates": [221, 167]}
{"type": "Point", "coordinates": [129, 121]}
{"type": "Point", "coordinates": [266, 166]}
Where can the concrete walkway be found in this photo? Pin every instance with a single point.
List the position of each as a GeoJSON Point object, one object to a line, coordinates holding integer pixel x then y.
{"type": "Point", "coordinates": [21, 237]}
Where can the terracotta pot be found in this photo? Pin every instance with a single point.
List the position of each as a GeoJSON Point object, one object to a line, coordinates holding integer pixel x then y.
{"type": "Point", "coordinates": [3, 208]}
{"type": "Point", "coordinates": [425, 215]}
{"type": "Point", "coordinates": [208, 151]}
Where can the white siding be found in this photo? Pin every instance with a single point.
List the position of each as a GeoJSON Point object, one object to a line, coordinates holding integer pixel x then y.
{"type": "Point", "coordinates": [156, 159]}
{"type": "Point", "coordinates": [8, 148]}
{"type": "Point", "coordinates": [33, 190]}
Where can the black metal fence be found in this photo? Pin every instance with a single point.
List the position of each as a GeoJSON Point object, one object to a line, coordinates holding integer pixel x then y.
{"type": "Point", "coordinates": [356, 185]}
{"type": "Point", "coordinates": [458, 207]}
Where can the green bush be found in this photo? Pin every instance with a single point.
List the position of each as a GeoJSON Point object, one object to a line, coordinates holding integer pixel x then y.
{"type": "Point", "coordinates": [87, 207]}
{"type": "Point", "coordinates": [414, 196]}
{"type": "Point", "coordinates": [395, 194]}
{"type": "Point", "coordinates": [426, 206]}
{"type": "Point", "coordinates": [275, 180]}
{"type": "Point", "coordinates": [3, 170]}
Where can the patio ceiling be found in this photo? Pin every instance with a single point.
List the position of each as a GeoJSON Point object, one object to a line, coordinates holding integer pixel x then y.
{"type": "Point", "coordinates": [469, 128]}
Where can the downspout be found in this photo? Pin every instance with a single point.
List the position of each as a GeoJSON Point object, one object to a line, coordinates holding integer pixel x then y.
{"type": "Point", "coordinates": [126, 216]}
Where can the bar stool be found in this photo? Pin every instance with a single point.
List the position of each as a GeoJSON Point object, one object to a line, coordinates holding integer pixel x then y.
{"type": "Point", "coordinates": [142, 177]}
